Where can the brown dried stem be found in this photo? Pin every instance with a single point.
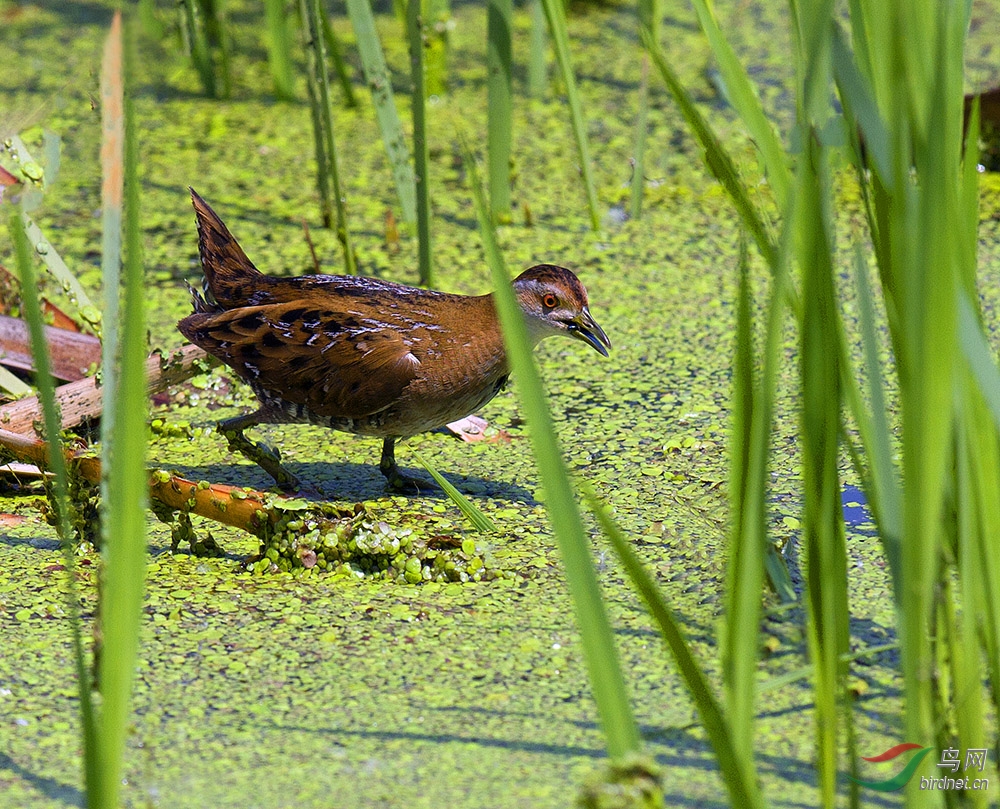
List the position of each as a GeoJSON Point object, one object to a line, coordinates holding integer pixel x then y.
{"type": "Point", "coordinates": [81, 400]}
{"type": "Point", "coordinates": [230, 505]}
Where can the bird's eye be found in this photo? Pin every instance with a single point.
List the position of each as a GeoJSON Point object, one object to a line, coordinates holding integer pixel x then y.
{"type": "Point", "coordinates": [549, 301]}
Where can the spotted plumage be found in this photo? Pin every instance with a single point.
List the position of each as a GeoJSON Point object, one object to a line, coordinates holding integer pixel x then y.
{"type": "Point", "coordinates": [359, 354]}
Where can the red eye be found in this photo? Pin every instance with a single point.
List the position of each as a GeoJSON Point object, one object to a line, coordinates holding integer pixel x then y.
{"type": "Point", "coordinates": [549, 301]}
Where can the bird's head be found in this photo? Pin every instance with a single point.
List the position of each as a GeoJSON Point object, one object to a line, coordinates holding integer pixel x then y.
{"type": "Point", "coordinates": [555, 302]}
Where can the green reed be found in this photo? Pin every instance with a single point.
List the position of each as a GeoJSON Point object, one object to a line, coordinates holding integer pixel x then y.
{"type": "Point", "coordinates": [196, 43]}
{"type": "Point", "coordinates": [124, 516]}
{"type": "Point", "coordinates": [336, 52]}
{"type": "Point", "coordinates": [499, 92]}
{"type": "Point", "coordinates": [555, 13]}
{"type": "Point", "coordinates": [537, 71]}
{"type": "Point", "coordinates": [205, 39]}
{"type": "Point", "coordinates": [901, 91]}
{"type": "Point", "coordinates": [123, 554]}
{"type": "Point", "coordinates": [94, 775]}
{"type": "Point", "coordinates": [333, 206]}
{"type": "Point", "coordinates": [649, 15]}
{"type": "Point", "coordinates": [421, 154]}
{"type": "Point", "coordinates": [377, 77]}
{"type": "Point", "coordinates": [278, 36]}
{"type": "Point", "coordinates": [600, 652]}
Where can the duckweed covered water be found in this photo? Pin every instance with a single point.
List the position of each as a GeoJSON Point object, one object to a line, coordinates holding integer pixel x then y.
{"type": "Point", "coordinates": [317, 688]}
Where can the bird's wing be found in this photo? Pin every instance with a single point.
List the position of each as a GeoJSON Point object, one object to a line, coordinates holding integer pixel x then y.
{"type": "Point", "coordinates": [337, 364]}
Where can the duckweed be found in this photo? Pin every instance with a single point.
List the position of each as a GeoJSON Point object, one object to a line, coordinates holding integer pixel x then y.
{"type": "Point", "coordinates": [285, 691]}
{"type": "Point", "coordinates": [354, 542]}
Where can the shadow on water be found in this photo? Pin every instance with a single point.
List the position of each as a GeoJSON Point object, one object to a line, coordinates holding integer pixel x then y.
{"type": "Point", "coordinates": [50, 787]}
{"type": "Point", "coordinates": [686, 750]}
{"type": "Point", "coordinates": [351, 481]}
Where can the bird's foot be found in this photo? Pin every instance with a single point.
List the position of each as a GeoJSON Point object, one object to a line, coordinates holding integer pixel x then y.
{"type": "Point", "coordinates": [396, 481]}
{"type": "Point", "coordinates": [267, 458]}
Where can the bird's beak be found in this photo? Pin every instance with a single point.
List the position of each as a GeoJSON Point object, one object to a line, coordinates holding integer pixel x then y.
{"type": "Point", "coordinates": [585, 328]}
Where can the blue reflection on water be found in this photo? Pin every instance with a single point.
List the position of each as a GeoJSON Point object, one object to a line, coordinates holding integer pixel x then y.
{"type": "Point", "coordinates": [856, 514]}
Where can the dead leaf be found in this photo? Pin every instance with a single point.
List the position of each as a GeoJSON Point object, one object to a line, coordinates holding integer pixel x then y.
{"type": "Point", "coordinates": [6, 178]}
{"type": "Point", "coordinates": [475, 428]}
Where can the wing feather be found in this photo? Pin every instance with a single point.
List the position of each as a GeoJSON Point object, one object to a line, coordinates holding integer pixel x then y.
{"type": "Point", "coordinates": [337, 364]}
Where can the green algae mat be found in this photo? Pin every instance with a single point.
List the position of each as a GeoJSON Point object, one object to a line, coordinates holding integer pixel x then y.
{"type": "Point", "coordinates": [310, 689]}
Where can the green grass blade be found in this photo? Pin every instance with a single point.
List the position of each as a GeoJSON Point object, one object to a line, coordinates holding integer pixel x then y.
{"type": "Point", "coordinates": [716, 157]}
{"type": "Point", "coordinates": [977, 353]}
{"type": "Point", "coordinates": [969, 199]}
{"type": "Point", "coordinates": [927, 370]}
{"type": "Point", "coordinates": [437, 22]}
{"type": "Point", "coordinates": [978, 559]}
{"type": "Point", "coordinates": [196, 43]}
{"type": "Point", "coordinates": [327, 170]}
{"type": "Point", "coordinates": [377, 76]}
{"type": "Point", "coordinates": [742, 398]}
{"type": "Point", "coordinates": [421, 154]}
{"type": "Point", "coordinates": [819, 369]}
{"type": "Point", "coordinates": [650, 13]}
{"type": "Point", "coordinates": [600, 652]}
{"type": "Point", "coordinates": [822, 523]}
{"type": "Point", "coordinates": [555, 13]}
{"type": "Point", "coordinates": [977, 470]}
{"type": "Point", "coordinates": [279, 48]}
{"type": "Point", "coordinates": [215, 34]}
{"type": "Point", "coordinates": [12, 384]}
{"type": "Point", "coordinates": [859, 105]}
{"type": "Point", "coordinates": [886, 495]}
{"type": "Point", "coordinates": [30, 169]}
{"type": "Point", "coordinates": [737, 770]}
{"type": "Point", "coordinates": [51, 151]}
{"type": "Point", "coordinates": [336, 53]}
{"type": "Point", "coordinates": [479, 521]}
{"type": "Point", "coordinates": [751, 551]}
{"type": "Point", "coordinates": [743, 97]}
{"type": "Point", "coordinates": [93, 774]}
{"type": "Point", "coordinates": [124, 555]}
{"type": "Point", "coordinates": [55, 265]}
{"type": "Point", "coordinates": [537, 70]}
{"type": "Point", "coordinates": [745, 565]}
{"type": "Point", "coordinates": [499, 125]}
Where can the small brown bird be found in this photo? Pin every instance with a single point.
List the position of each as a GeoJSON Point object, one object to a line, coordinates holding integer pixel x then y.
{"type": "Point", "coordinates": [358, 354]}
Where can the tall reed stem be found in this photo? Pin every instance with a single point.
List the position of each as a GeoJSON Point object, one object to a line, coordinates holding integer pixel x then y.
{"type": "Point", "coordinates": [414, 23]}
{"type": "Point", "coordinates": [327, 173]}
{"type": "Point", "coordinates": [499, 101]}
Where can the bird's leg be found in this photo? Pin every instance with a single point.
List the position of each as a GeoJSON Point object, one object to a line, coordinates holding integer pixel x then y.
{"type": "Point", "coordinates": [265, 457]}
{"type": "Point", "coordinates": [387, 465]}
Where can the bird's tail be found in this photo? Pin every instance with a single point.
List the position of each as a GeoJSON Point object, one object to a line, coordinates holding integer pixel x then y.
{"type": "Point", "coordinates": [226, 267]}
